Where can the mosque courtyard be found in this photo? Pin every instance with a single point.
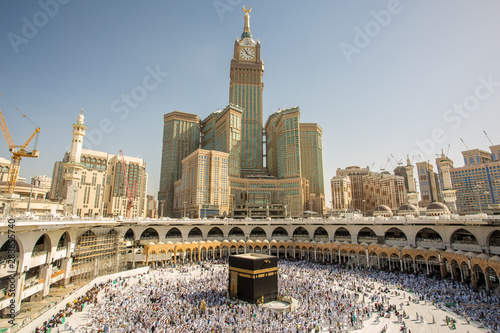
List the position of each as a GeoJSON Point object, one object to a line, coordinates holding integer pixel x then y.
{"type": "Point", "coordinates": [328, 299]}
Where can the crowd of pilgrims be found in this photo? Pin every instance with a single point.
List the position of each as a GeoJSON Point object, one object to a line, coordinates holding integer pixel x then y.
{"type": "Point", "coordinates": [330, 298]}
{"type": "Point", "coordinates": [76, 306]}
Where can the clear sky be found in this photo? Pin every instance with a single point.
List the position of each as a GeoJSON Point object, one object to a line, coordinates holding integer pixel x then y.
{"type": "Point", "coordinates": [380, 77]}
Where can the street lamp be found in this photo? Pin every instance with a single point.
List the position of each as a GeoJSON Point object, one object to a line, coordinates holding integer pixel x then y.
{"type": "Point", "coordinates": [184, 204]}
{"type": "Point", "coordinates": [364, 211]}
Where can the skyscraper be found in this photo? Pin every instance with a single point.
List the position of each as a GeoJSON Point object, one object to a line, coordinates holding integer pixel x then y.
{"type": "Point", "coordinates": [294, 155]}
{"type": "Point", "coordinates": [245, 90]}
{"type": "Point", "coordinates": [181, 137]}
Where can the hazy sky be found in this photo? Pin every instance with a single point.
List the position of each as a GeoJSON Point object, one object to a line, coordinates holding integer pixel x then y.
{"type": "Point", "coordinates": [380, 77]}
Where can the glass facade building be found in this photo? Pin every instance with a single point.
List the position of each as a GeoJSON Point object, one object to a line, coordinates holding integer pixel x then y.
{"type": "Point", "coordinates": [181, 137]}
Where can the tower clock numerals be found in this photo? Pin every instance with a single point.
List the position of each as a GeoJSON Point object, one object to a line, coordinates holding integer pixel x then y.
{"type": "Point", "coordinates": [247, 53]}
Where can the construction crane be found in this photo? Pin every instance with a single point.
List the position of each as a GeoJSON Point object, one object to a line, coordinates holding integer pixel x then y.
{"type": "Point", "coordinates": [389, 160]}
{"type": "Point", "coordinates": [464, 143]}
{"type": "Point", "coordinates": [129, 191]}
{"type": "Point", "coordinates": [382, 168]}
{"type": "Point", "coordinates": [400, 160]}
{"type": "Point", "coordinates": [487, 137]}
{"type": "Point", "coordinates": [18, 151]}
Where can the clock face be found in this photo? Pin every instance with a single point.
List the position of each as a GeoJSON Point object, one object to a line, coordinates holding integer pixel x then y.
{"type": "Point", "coordinates": [247, 53]}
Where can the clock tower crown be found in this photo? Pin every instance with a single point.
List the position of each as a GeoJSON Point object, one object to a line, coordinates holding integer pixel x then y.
{"type": "Point", "coordinates": [246, 29]}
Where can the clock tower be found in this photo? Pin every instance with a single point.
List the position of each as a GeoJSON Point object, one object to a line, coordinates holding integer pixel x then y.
{"type": "Point", "coordinates": [245, 90]}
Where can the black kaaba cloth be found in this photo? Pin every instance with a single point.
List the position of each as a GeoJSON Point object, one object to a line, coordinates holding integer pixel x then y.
{"type": "Point", "coordinates": [253, 275]}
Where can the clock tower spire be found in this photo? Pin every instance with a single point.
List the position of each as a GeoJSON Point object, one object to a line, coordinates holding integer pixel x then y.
{"type": "Point", "coordinates": [246, 29]}
{"type": "Point", "coordinates": [245, 90]}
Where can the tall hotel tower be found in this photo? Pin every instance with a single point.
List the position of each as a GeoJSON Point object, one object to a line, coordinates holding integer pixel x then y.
{"type": "Point", "coordinates": [245, 90]}
{"type": "Point", "coordinates": [216, 166]}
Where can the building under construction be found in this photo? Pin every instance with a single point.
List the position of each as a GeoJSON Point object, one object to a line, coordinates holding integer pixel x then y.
{"type": "Point", "coordinates": [98, 251]}
{"type": "Point", "coordinates": [94, 183]}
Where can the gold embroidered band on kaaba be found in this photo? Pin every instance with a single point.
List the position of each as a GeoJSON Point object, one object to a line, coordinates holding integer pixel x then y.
{"type": "Point", "coordinates": [253, 272]}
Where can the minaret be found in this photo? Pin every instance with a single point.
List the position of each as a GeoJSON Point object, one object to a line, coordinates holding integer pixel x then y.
{"type": "Point", "coordinates": [73, 168]}
{"type": "Point", "coordinates": [445, 165]}
{"type": "Point", "coordinates": [78, 134]}
{"type": "Point", "coordinates": [412, 194]}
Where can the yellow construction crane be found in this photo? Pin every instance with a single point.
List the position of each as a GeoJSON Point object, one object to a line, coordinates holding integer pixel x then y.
{"type": "Point", "coordinates": [17, 151]}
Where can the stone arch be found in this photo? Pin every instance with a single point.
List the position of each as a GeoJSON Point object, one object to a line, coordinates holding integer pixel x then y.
{"type": "Point", "coordinates": [321, 235]}
{"type": "Point", "coordinates": [428, 234]}
{"type": "Point", "coordinates": [215, 233]}
{"type": "Point", "coordinates": [173, 233]}
{"type": "Point", "coordinates": [301, 234]}
{"type": "Point", "coordinates": [63, 241]}
{"type": "Point", "coordinates": [150, 234]}
{"type": "Point", "coordinates": [434, 265]}
{"type": "Point", "coordinates": [463, 236]}
{"type": "Point", "coordinates": [479, 274]}
{"type": "Point", "coordinates": [129, 235]}
{"type": "Point", "coordinates": [492, 278]}
{"type": "Point", "coordinates": [236, 232]}
{"type": "Point", "coordinates": [43, 244]}
{"type": "Point", "coordinates": [395, 234]}
{"type": "Point", "coordinates": [280, 234]}
{"type": "Point", "coordinates": [367, 235]}
{"type": "Point", "coordinates": [195, 233]}
{"type": "Point", "coordinates": [342, 235]}
{"type": "Point", "coordinates": [494, 238]}
{"type": "Point", "coordinates": [258, 233]}
{"type": "Point", "coordinates": [7, 248]}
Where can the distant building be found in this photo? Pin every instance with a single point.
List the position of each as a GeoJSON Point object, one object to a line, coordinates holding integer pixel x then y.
{"type": "Point", "coordinates": [477, 184]}
{"type": "Point", "coordinates": [449, 194]}
{"type": "Point", "coordinates": [359, 189]}
{"type": "Point", "coordinates": [4, 169]}
{"type": "Point", "coordinates": [341, 194]}
{"type": "Point", "coordinates": [356, 174]}
{"type": "Point", "coordinates": [19, 202]}
{"type": "Point", "coordinates": [383, 189]}
{"type": "Point", "coordinates": [92, 183]}
{"type": "Point", "coordinates": [311, 154]}
{"type": "Point", "coordinates": [411, 184]}
{"type": "Point", "coordinates": [57, 180]}
{"type": "Point", "coordinates": [151, 206]}
{"type": "Point", "coordinates": [287, 182]}
{"type": "Point", "coordinates": [204, 186]}
{"type": "Point", "coordinates": [181, 137]}
{"type": "Point", "coordinates": [429, 184]}
{"type": "Point", "coordinates": [42, 181]}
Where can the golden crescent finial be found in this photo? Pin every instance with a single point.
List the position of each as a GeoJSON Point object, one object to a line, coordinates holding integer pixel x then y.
{"type": "Point", "coordinates": [247, 10]}
{"type": "Point", "coordinates": [81, 111]}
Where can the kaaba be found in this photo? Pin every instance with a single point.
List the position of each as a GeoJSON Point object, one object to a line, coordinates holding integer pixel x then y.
{"type": "Point", "coordinates": [253, 276]}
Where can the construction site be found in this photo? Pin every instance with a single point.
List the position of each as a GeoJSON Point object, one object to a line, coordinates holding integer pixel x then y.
{"type": "Point", "coordinates": [99, 251]}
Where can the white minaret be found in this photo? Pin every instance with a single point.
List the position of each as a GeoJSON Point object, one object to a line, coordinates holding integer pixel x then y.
{"type": "Point", "coordinates": [412, 194]}
{"type": "Point", "coordinates": [78, 134]}
{"type": "Point", "coordinates": [73, 168]}
{"type": "Point", "coordinates": [445, 165]}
